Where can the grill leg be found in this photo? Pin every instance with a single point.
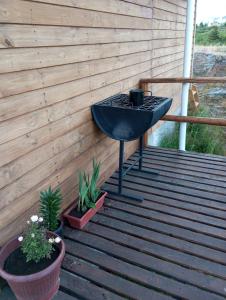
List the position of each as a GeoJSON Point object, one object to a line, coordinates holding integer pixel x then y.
{"type": "Point", "coordinates": [141, 147]}
{"type": "Point", "coordinates": [121, 153]}
{"type": "Point", "coordinates": [141, 142]}
{"type": "Point", "coordinates": [120, 178]}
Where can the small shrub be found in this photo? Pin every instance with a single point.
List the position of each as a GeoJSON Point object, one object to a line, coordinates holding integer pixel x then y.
{"type": "Point", "coordinates": [34, 244]}
{"type": "Point", "coordinates": [50, 203]}
{"type": "Point", "coordinates": [88, 190]}
{"type": "Point", "coordinates": [210, 35]}
{"type": "Point", "coordinates": [214, 34]}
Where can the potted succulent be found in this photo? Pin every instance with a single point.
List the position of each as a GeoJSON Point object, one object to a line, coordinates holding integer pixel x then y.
{"type": "Point", "coordinates": [31, 263]}
{"type": "Point", "coordinates": [50, 204]}
{"type": "Point", "coordinates": [90, 200]}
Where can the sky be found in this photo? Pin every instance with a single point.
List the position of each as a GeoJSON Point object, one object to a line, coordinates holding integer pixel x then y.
{"type": "Point", "coordinates": [210, 8]}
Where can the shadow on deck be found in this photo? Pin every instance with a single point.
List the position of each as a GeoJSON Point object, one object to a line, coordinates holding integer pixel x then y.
{"type": "Point", "coordinates": [170, 246]}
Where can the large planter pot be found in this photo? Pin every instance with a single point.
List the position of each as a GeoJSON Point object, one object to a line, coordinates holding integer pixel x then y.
{"type": "Point", "coordinates": [79, 223]}
{"type": "Point", "coordinates": [42, 285]}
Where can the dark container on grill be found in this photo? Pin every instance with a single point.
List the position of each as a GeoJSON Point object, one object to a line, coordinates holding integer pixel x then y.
{"type": "Point", "coordinates": [136, 97]}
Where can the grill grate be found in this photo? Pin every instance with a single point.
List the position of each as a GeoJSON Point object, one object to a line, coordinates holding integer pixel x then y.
{"type": "Point", "coordinates": [122, 101]}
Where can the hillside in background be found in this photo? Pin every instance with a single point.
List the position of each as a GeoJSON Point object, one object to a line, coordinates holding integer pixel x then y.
{"type": "Point", "coordinates": [210, 35]}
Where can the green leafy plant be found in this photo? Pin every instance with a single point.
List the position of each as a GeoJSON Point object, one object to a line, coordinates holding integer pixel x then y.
{"type": "Point", "coordinates": [34, 244]}
{"type": "Point", "coordinates": [93, 191]}
{"type": "Point", "coordinates": [200, 137]}
{"type": "Point", "coordinates": [210, 35]}
{"type": "Point", "coordinates": [50, 203]}
{"type": "Point", "coordinates": [88, 190]}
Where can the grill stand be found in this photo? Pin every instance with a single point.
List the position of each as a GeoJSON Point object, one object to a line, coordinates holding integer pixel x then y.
{"type": "Point", "coordinates": [123, 171]}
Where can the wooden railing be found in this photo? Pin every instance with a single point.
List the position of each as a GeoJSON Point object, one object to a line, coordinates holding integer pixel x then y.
{"type": "Point", "coordinates": [187, 119]}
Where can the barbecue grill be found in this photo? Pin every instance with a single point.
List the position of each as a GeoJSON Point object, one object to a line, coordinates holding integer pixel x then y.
{"type": "Point", "coordinates": [120, 119]}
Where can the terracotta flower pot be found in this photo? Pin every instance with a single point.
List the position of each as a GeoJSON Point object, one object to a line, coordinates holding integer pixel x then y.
{"type": "Point", "coordinates": [42, 285]}
{"type": "Point", "coordinates": [79, 223]}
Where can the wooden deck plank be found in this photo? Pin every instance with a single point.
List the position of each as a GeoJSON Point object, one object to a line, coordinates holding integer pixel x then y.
{"type": "Point", "coordinates": [113, 246]}
{"type": "Point", "coordinates": [110, 281]}
{"type": "Point", "coordinates": [163, 252]}
{"type": "Point", "coordinates": [63, 296]}
{"type": "Point", "coordinates": [134, 273]}
{"type": "Point", "coordinates": [189, 154]}
{"type": "Point", "coordinates": [184, 160]}
{"type": "Point", "coordinates": [162, 239]}
{"type": "Point", "coordinates": [186, 157]}
{"type": "Point", "coordinates": [195, 204]}
{"type": "Point", "coordinates": [190, 176]}
{"type": "Point", "coordinates": [177, 212]}
{"type": "Point", "coordinates": [84, 289]}
{"type": "Point", "coordinates": [170, 219]}
{"type": "Point", "coordinates": [185, 234]}
{"type": "Point", "coordinates": [194, 171]}
{"type": "Point", "coordinates": [181, 180]}
{"type": "Point", "coordinates": [172, 245]}
{"type": "Point", "coordinates": [176, 192]}
{"type": "Point", "coordinates": [177, 163]}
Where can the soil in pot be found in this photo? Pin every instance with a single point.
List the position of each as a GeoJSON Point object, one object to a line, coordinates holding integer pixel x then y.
{"type": "Point", "coordinates": [78, 214]}
{"type": "Point", "coordinates": [16, 263]}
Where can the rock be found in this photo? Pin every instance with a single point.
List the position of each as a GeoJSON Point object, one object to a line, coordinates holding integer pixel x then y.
{"type": "Point", "coordinates": [211, 95]}
{"type": "Point", "coordinates": [209, 65]}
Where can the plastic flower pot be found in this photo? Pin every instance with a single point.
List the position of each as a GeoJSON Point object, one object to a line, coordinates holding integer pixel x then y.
{"type": "Point", "coordinates": [79, 223]}
{"type": "Point", "coordinates": [59, 230]}
{"type": "Point", "coordinates": [42, 285]}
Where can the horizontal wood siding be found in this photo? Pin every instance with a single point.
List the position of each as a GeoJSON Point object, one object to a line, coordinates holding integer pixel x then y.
{"type": "Point", "coordinates": [168, 27]}
{"type": "Point", "coordinates": [58, 57]}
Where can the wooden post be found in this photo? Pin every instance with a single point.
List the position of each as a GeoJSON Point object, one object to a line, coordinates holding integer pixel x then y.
{"type": "Point", "coordinates": [183, 80]}
{"type": "Point", "coordinates": [187, 119]}
{"type": "Point", "coordinates": [144, 87]}
{"type": "Point", "coordinates": [209, 121]}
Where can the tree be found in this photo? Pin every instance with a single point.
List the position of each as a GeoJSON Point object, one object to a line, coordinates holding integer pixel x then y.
{"type": "Point", "coordinates": [214, 34]}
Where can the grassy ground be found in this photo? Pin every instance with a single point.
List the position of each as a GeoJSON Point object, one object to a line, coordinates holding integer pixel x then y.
{"type": "Point", "coordinates": [200, 138]}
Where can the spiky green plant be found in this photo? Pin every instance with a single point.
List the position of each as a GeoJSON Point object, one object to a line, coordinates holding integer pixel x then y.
{"type": "Point", "coordinates": [93, 191]}
{"type": "Point", "coordinates": [83, 193]}
{"type": "Point", "coordinates": [50, 203]}
{"type": "Point", "coordinates": [88, 190]}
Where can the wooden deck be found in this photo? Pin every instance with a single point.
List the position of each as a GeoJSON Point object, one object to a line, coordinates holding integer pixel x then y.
{"type": "Point", "coordinates": [170, 246]}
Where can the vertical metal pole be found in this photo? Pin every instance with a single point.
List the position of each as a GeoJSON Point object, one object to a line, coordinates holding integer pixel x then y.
{"type": "Point", "coordinates": [121, 153]}
{"type": "Point", "coordinates": [187, 69]}
{"type": "Point", "coordinates": [141, 142]}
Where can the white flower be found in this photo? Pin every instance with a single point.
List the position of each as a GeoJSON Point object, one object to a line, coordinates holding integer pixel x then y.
{"type": "Point", "coordinates": [32, 235]}
{"type": "Point", "coordinates": [28, 222]}
{"type": "Point", "coordinates": [20, 238]}
{"type": "Point", "coordinates": [57, 240]}
{"type": "Point", "coordinates": [51, 241]}
{"type": "Point", "coordinates": [34, 218]}
{"type": "Point", "coordinates": [40, 219]}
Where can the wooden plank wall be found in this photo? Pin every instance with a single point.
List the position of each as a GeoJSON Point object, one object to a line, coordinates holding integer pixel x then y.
{"type": "Point", "coordinates": [57, 57]}
{"type": "Point", "coordinates": [169, 22]}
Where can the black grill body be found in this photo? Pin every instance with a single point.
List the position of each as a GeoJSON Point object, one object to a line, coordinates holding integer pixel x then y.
{"type": "Point", "coordinates": [119, 119]}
